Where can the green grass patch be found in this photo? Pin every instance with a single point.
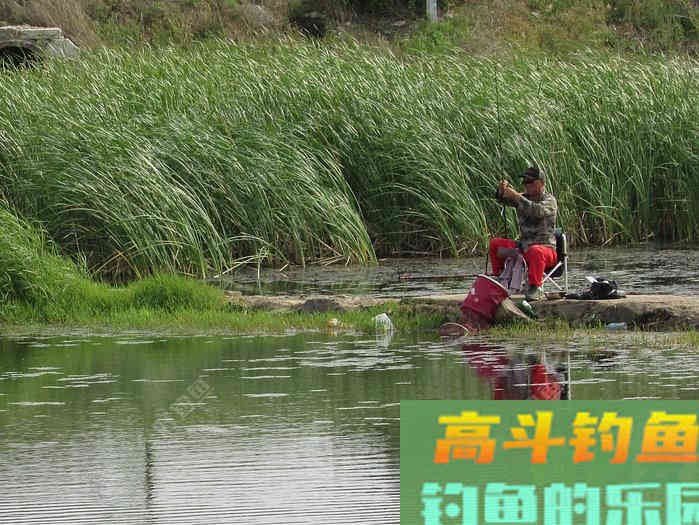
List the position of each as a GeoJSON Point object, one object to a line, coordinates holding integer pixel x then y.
{"type": "Point", "coordinates": [171, 293]}
{"type": "Point", "coordinates": [38, 284]}
{"type": "Point", "coordinates": [22, 318]}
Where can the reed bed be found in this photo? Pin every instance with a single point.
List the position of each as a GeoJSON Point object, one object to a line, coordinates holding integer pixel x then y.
{"type": "Point", "coordinates": [198, 160]}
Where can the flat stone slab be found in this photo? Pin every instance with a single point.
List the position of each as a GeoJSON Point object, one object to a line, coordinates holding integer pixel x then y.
{"type": "Point", "coordinates": [644, 311]}
{"type": "Point", "coordinates": [49, 40]}
{"type": "Point", "coordinates": [659, 312]}
{"type": "Point", "coordinates": [29, 33]}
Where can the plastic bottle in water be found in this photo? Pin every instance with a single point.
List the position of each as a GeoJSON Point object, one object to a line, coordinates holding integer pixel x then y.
{"type": "Point", "coordinates": [383, 322]}
{"type": "Point", "coordinates": [617, 326]}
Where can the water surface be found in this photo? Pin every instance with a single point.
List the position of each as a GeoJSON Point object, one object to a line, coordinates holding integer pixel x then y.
{"type": "Point", "coordinates": [289, 429]}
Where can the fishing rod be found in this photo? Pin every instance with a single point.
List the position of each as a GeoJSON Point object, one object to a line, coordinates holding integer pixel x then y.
{"type": "Point", "coordinates": [503, 209]}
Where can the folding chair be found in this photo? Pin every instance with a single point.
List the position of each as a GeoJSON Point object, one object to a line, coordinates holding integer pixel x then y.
{"type": "Point", "coordinates": [561, 267]}
{"type": "Point", "coordinates": [511, 279]}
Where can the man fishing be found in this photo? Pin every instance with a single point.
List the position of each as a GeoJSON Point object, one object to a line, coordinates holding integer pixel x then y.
{"type": "Point", "coordinates": [536, 214]}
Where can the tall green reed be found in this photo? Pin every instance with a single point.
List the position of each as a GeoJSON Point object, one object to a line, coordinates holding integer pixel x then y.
{"type": "Point", "coordinates": [198, 160]}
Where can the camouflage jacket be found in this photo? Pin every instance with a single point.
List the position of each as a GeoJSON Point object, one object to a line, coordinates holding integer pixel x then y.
{"type": "Point", "coordinates": [537, 220]}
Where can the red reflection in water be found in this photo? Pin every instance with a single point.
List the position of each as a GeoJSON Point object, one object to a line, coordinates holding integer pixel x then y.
{"type": "Point", "coordinates": [514, 377]}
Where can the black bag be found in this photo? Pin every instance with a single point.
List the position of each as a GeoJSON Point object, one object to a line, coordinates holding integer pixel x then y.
{"type": "Point", "coordinates": [602, 289]}
{"type": "Point", "coordinates": [599, 289]}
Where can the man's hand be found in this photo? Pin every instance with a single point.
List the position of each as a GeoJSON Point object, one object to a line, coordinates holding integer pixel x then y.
{"type": "Point", "coordinates": [508, 192]}
{"type": "Point", "coordinates": [500, 192]}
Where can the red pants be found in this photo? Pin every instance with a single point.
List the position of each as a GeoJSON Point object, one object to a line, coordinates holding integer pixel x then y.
{"type": "Point", "coordinates": [538, 258]}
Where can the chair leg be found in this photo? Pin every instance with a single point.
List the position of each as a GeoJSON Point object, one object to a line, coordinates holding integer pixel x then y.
{"type": "Point", "coordinates": [547, 276]}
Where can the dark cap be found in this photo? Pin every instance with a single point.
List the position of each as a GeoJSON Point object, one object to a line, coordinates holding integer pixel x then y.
{"type": "Point", "coordinates": [533, 173]}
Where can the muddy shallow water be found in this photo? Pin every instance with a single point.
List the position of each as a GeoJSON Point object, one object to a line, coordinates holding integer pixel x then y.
{"type": "Point", "coordinates": [289, 429]}
{"type": "Point", "coordinates": [638, 270]}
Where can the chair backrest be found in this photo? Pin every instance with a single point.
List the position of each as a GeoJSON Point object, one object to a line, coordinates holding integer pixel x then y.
{"type": "Point", "coordinates": [561, 244]}
{"type": "Point", "coordinates": [561, 251]}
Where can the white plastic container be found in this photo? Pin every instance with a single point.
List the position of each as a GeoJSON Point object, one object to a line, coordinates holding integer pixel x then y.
{"type": "Point", "coordinates": [617, 326]}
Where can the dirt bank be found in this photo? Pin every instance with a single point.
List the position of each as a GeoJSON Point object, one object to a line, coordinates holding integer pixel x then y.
{"type": "Point", "coordinates": [659, 312]}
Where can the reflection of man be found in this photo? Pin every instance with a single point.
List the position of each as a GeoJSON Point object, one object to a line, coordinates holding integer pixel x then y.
{"type": "Point", "coordinates": [511, 378]}
{"type": "Point", "coordinates": [536, 213]}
